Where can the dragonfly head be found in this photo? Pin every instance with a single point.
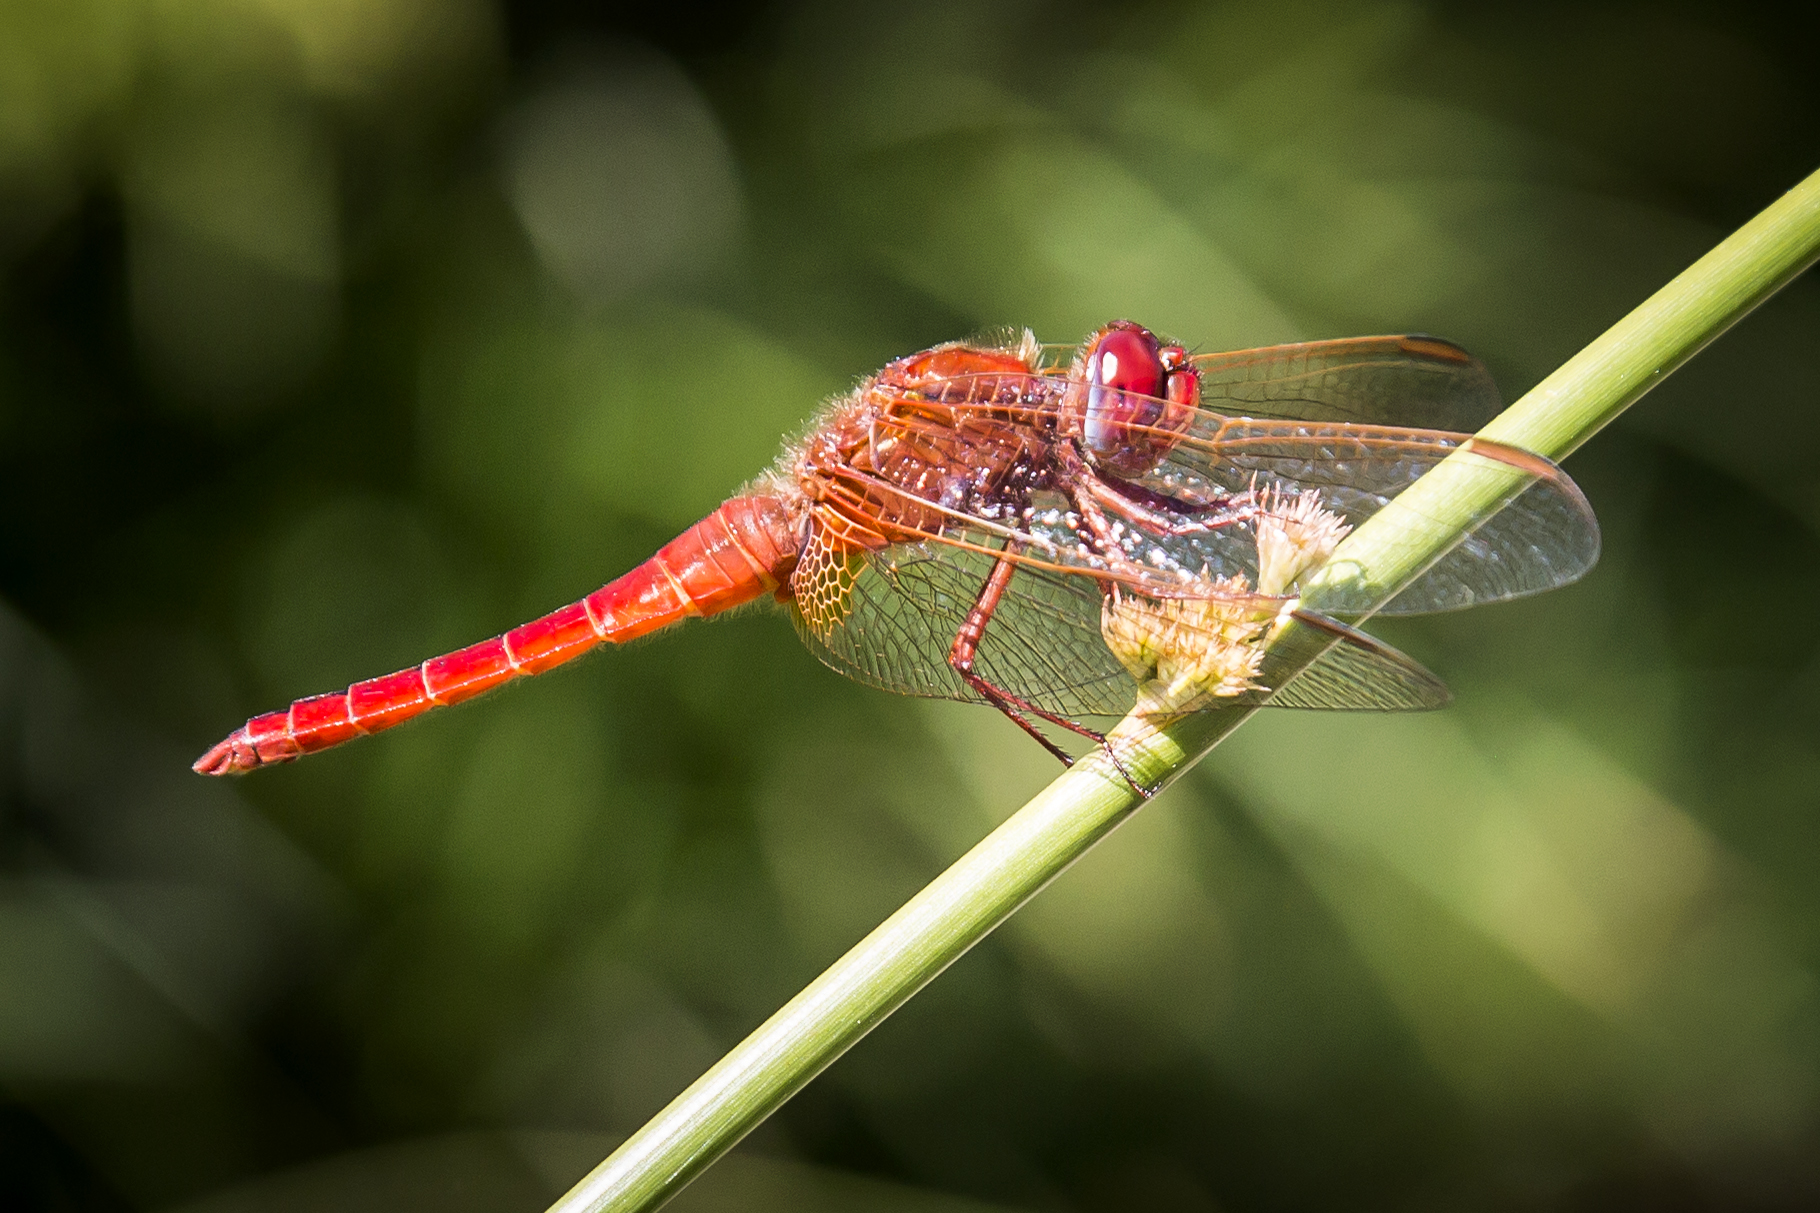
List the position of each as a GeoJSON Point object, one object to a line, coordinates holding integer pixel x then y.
{"type": "Point", "coordinates": [1132, 399]}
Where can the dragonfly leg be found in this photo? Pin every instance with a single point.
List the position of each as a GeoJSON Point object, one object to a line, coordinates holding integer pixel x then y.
{"type": "Point", "coordinates": [1227, 513]}
{"type": "Point", "coordinates": [1091, 495]}
{"type": "Point", "coordinates": [1104, 540]}
{"type": "Point", "coordinates": [965, 649]}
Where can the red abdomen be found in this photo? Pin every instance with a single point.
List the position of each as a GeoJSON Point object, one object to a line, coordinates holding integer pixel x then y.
{"type": "Point", "coordinates": [742, 551]}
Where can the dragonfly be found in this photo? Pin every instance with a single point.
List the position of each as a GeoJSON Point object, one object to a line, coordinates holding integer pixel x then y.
{"type": "Point", "coordinates": [1061, 534]}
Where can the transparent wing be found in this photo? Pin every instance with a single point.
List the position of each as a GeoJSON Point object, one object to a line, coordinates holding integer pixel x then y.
{"type": "Point", "coordinates": [1043, 644]}
{"type": "Point", "coordinates": [1393, 406]}
{"type": "Point", "coordinates": [1411, 381]}
{"type": "Point", "coordinates": [1356, 673]}
{"type": "Point", "coordinates": [1546, 537]}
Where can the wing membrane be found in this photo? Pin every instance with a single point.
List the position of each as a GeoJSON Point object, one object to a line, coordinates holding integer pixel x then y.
{"type": "Point", "coordinates": [1546, 537]}
{"type": "Point", "coordinates": [1411, 380]}
{"type": "Point", "coordinates": [1355, 673]}
{"type": "Point", "coordinates": [1043, 643]}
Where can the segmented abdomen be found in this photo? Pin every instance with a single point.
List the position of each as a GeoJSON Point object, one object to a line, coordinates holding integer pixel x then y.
{"type": "Point", "coordinates": [742, 551]}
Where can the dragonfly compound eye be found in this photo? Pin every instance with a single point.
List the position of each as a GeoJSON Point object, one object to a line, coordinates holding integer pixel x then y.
{"type": "Point", "coordinates": [1140, 395]}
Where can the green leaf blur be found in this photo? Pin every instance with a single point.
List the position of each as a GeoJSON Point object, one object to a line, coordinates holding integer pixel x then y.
{"type": "Point", "coordinates": [338, 333]}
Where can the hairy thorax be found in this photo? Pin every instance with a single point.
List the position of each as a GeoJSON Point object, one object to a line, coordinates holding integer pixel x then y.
{"type": "Point", "coordinates": [951, 433]}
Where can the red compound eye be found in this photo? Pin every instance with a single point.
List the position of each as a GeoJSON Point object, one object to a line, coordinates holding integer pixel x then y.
{"type": "Point", "coordinates": [1139, 396]}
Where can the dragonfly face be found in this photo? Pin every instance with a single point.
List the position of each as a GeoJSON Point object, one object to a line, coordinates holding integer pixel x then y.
{"type": "Point", "coordinates": [1139, 396]}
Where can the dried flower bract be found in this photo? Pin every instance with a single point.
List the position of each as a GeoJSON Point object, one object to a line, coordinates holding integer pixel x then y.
{"type": "Point", "coordinates": [1184, 652]}
{"type": "Point", "coordinates": [1296, 534]}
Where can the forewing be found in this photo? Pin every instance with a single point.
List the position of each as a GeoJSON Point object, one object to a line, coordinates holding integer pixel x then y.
{"type": "Point", "coordinates": [1546, 537]}
{"type": "Point", "coordinates": [1410, 381]}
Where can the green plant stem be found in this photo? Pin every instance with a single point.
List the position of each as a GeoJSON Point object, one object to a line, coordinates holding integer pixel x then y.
{"type": "Point", "coordinates": [963, 904]}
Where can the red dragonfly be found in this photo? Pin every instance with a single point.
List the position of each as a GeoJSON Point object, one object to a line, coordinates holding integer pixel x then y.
{"type": "Point", "coordinates": [1046, 534]}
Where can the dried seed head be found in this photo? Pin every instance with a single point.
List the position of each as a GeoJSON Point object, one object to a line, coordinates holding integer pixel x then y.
{"type": "Point", "coordinates": [1186, 651]}
{"type": "Point", "coordinates": [1296, 534]}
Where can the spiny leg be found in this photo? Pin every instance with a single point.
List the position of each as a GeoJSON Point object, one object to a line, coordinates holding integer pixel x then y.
{"type": "Point", "coordinates": [965, 649]}
{"type": "Point", "coordinates": [1090, 495]}
{"type": "Point", "coordinates": [1231, 511]}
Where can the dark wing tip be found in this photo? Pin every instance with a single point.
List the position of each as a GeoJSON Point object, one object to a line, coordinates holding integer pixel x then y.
{"type": "Point", "coordinates": [1354, 672]}
{"type": "Point", "coordinates": [1440, 349]}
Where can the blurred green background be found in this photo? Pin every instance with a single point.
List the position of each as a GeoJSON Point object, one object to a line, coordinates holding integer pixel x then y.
{"type": "Point", "coordinates": [336, 333]}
